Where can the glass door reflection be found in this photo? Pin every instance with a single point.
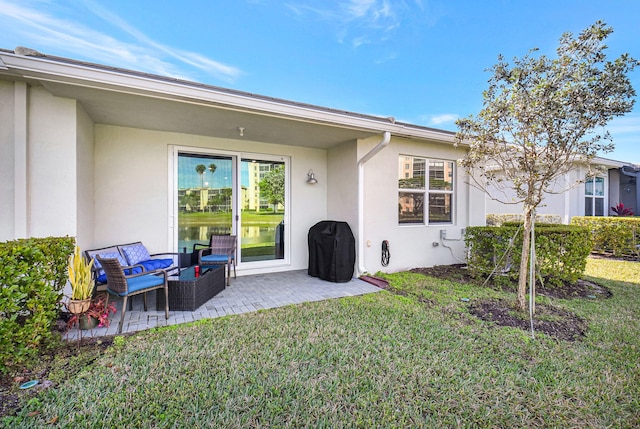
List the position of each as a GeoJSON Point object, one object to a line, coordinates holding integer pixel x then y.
{"type": "Point", "coordinates": [205, 198]}
{"type": "Point", "coordinates": [262, 210]}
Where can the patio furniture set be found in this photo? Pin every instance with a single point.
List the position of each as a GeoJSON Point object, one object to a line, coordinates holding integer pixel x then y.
{"type": "Point", "coordinates": [184, 281]}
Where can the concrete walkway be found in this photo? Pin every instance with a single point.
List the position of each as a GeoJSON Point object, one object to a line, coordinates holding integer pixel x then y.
{"type": "Point", "coordinates": [246, 294]}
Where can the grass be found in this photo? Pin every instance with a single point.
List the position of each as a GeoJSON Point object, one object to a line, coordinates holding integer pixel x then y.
{"type": "Point", "coordinates": [249, 218]}
{"type": "Point", "coordinates": [380, 360]}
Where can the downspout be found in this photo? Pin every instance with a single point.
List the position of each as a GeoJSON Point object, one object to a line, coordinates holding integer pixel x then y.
{"type": "Point", "coordinates": [386, 138]}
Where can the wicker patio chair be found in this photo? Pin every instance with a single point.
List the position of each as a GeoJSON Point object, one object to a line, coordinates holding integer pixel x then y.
{"type": "Point", "coordinates": [122, 285]}
{"type": "Point", "coordinates": [221, 251]}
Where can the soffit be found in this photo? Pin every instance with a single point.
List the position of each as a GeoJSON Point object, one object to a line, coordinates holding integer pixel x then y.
{"type": "Point", "coordinates": [201, 118]}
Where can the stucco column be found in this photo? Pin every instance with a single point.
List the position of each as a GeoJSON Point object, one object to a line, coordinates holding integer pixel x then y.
{"type": "Point", "coordinates": [21, 187]}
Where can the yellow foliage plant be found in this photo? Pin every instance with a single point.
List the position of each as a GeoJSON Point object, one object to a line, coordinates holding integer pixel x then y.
{"type": "Point", "coordinates": [80, 276]}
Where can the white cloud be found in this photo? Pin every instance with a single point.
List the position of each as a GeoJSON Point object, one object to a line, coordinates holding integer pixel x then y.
{"type": "Point", "coordinates": [75, 38]}
{"type": "Point", "coordinates": [389, 57]}
{"type": "Point", "coordinates": [628, 124]}
{"type": "Point", "coordinates": [444, 118]}
{"type": "Point", "coordinates": [359, 8]}
{"type": "Point", "coordinates": [625, 132]}
{"type": "Point", "coordinates": [359, 41]}
{"type": "Point", "coordinates": [371, 20]}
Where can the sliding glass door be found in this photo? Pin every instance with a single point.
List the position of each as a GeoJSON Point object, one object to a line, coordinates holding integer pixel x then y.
{"type": "Point", "coordinates": [205, 198]}
{"type": "Point", "coordinates": [226, 193]}
{"type": "Point", "coordinates": [263, 210]}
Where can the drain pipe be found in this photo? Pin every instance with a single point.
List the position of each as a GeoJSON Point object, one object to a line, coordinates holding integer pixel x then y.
{"type": "Point", "coordinates": [386, 138]}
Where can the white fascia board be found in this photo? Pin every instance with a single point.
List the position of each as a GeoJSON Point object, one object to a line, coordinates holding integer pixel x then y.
{"type": "Point", "coordinates": [611, 163]}
{"type": "Point", "coordinates": [41, 69]}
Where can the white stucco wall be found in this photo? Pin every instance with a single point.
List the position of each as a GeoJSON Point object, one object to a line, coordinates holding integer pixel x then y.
{"type": "Point", "coordinates": [412, 245]}
{"type": "Point", "coordinates": [132, 191]}
{"type": "Point", "coordinates": [342, 196]}
{"type": "Point", "coordinates": [6, 161]}
{"type": "Point", "coordinates": [564, 204]}
{"type": "Point", "coordinates": [52, 165]}
{"type": "Point", "coordinates": [615, 197]}
{"type": "Point", "coordinates": [85, 179]}
{"type": "Point", "coordinates": [569, 203]}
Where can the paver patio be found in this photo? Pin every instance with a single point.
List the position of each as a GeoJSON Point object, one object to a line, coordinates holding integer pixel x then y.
{"type": "Point", "coordinates": [246, 294]}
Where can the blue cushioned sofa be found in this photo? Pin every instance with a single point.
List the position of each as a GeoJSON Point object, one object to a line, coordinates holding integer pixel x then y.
{"type": "Point", "coordinates": [128, 255]}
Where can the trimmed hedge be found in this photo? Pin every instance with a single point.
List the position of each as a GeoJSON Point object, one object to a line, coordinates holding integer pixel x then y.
{"type": "Point", "coordinates": [619, 236]}
{"type": "Point", "coordinates": [561, 252]}
{"type": "Point", "coordinates": [499, 219]}
{"type": "Point", "coordinates": [33, 273]}
{"type": "Point", "coordinates": [538, 225]}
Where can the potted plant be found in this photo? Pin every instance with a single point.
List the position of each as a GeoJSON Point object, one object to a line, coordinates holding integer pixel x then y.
{"type": "Point", "coordinates": [81, 283]}
{"type": "Point", "coordinates": [96, 315]}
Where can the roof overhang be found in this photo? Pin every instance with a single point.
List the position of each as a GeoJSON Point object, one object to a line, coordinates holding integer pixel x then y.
{"type": "Point", "coordinates": [127, 98]}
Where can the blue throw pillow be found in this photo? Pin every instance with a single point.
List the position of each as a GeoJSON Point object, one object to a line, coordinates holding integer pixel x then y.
{"type": "Point", "coordinates": [102, 277]}
{"type": "Point", "coordinates": [110, 255]}
{"type": "Point", "coordinates": [156, 264]}
{"type": "Point", "coordinates": [135, 253]}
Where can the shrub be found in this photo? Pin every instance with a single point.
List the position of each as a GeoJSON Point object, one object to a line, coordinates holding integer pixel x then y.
{"type": "Point", "coordinates": [621, 210]}
{"type": "Point", "coordinates": [498, 219]}
{"type": "Point", "coordinates": [619, 236]}
{"type": "Point", "coordinates": [33, 273]}
{"type": "Point", "coordinates": [561, 252]}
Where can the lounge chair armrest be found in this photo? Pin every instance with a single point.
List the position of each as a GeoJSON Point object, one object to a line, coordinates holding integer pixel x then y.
{"type": "Point", "coordinates": [203, 252]}
{"type": "Point", "coordinates": [200, 245]}
{"type": "Point", "coordinates": [165, 253]}
{"type": "Point", "coordinates": [130, 268]}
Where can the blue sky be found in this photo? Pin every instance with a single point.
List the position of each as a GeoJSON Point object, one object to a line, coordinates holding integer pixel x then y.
{"type": "Point", "coordinates": [420, 61]}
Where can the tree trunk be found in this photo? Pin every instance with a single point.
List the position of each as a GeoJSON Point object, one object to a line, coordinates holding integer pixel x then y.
{"type": "Point", "coordinates": [524, 260]}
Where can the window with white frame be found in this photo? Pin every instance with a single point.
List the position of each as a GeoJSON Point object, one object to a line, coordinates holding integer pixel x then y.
{"type": "Point", "coordinates": [594, 196]}
{"type": "Point", "coordinates": [422, 201]}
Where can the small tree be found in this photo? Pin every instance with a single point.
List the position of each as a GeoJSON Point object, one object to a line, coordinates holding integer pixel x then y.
{"type": "Point", "coordinates": [212, 168]}
{"type": "Point", "coordinates": [200, 169]}
{"type": "Point", "coordinates": [272, 186]}
{"type": "Point", "coordinates": [539, 121]}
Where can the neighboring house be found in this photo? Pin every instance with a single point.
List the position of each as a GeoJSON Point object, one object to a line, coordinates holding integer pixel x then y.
{"type": "Point", "coordinates": [114, 156]}
{"type": "Point", "coordinates": [594, 197]}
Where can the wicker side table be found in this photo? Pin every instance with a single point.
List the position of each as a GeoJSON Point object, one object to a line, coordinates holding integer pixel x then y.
{"type": "Point", "coordinates": [188, 292]}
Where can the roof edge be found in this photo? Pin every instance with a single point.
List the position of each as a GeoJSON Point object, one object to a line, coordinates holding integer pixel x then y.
{"type": "Point", "coordinates": [72, 71]}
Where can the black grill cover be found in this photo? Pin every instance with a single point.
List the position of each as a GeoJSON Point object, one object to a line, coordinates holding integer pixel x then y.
{"type": "Point", "coordinates": [332, 251]}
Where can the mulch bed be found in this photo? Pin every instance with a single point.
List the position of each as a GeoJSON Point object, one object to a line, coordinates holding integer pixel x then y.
{"type": "Point", "coordinates": [11, 397]}
{"type": "Point", "coordinates": [555, 322]}
{"type": "Point", "coordinates": [458, 273]}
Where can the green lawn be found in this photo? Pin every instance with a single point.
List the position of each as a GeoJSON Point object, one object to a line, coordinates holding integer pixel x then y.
{"type": "Point", "coordinates": [379, 360]}
{"type": "Point", "coordinates": [249, 218]}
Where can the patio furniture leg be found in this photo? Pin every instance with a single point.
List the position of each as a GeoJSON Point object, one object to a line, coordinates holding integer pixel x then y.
{"type": "Point", "coordinates": [145, 301]}
{"type": "Point", "coordinates": [124, 307]}
{"type": "Point", "coordinates": [166, 300]}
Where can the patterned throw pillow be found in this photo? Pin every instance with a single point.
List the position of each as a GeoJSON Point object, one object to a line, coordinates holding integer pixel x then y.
{"type": "Point", "coordinates": [110, 255]}
{"type": "Point", "coordinates": [135, 253]}
{"type": "Point", "coordinates": [96, 252]}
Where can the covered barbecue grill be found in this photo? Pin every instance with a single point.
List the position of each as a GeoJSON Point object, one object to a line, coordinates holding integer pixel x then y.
{"type": "Point", "coordinates": [332, 251]}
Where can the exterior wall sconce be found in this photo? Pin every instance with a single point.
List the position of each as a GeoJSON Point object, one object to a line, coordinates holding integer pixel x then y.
{"type": "Point", "coordinates": [311, 178]}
